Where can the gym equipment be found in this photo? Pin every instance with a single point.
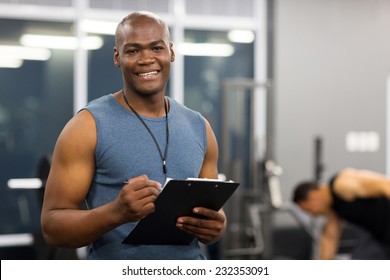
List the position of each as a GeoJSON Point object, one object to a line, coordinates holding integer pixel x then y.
{"type": "Point", "coordinates": [37, 246]}
{"type": "Point", "coordinates": [247, 157]}
{"type": "Point", "coordinates": [318, 161]}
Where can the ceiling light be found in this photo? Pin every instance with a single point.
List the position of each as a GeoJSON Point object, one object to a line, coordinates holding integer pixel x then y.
{"type": "Point", "coordinates": [99, 27]}
{"type": "Point", "coordinates": [206, 49]}
{"type": "Point", "coordinates": [6, 62]}
{"type": "Point", "coordinates": [241, 36]}
{"type": "Point", "coordinates": [60, 42]}
{"type": "Point", "coordinates": [25, 183]}
{"type": "Point", "coordinates": [19, 52]}
{"type": "Point", "coordinates": [17, 239]}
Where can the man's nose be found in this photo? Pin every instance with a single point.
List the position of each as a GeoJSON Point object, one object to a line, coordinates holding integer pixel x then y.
{"type": "Point", "coordinates": [146, 58]}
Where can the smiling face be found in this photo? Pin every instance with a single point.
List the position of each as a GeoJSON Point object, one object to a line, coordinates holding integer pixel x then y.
{"type": "Point", "coordinates": [144, 54]}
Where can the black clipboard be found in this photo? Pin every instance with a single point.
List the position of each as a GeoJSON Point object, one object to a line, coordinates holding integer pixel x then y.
{"type": "Point", "coordinates": [177, 199]}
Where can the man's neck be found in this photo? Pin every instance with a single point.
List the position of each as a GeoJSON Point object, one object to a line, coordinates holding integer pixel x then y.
{"type": "Point", "coordinates": [150, 106]}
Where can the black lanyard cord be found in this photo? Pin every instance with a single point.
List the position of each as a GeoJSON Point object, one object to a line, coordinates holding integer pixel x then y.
{"type": "Point", "coordinates": [163, 157]}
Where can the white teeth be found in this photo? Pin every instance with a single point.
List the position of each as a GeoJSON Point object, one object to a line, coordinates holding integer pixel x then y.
{"type": "Point", "coordinates": [147, 74]}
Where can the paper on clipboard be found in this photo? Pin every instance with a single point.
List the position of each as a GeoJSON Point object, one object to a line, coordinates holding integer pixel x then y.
{"type": "Point", "coordinates": [178, 198]}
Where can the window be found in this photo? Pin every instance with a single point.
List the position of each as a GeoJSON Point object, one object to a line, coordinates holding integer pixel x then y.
{"type": "Point", "coordinates": [204, 74]}
{"type": "Point", "coordinates": [36, 100]}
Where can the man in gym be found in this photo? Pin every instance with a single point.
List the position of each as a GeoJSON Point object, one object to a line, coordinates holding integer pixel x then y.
{"type": "Point", "coordinates": [118, 151]}
{"type": "Point", "coordinates": [360, 197]}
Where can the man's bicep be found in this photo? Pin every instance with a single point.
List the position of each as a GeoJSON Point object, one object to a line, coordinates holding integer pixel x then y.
{"type": "Point", "coordinates": [72, 166]}
{"type": "Point", "coordinates": [210, 163]}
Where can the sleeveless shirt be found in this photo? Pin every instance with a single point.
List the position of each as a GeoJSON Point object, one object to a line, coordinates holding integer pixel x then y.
{"type": "Point", "coordinates": [124, 150]}
{"type": "Point", "coordinates": [372, 214]}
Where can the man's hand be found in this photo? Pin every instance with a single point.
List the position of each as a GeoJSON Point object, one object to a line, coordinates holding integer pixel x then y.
{"type": "Point", "coordinates": [136, 199]}
{"type": "Point", "coordinates": [208, 227]}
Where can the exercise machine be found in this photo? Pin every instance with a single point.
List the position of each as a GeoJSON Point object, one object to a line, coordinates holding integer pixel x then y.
{"type": "Point", "coordinates": [247, 157]}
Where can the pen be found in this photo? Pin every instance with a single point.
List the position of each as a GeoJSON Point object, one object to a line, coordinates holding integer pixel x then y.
{"type": "Point", "coordinates": [160, 190]}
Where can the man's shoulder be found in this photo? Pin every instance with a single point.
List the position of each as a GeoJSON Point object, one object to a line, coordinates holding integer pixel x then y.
{"type": "Point", "coordinates": [100, 101]}
{"type": "Point", "coordinates": [102, 106]}
{"type": "Point", "coordinates": [181, 108]}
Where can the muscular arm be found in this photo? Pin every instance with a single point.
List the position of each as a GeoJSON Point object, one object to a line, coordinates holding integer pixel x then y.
{"type": "Point", "coordinates": [351, 184]}
{"type": "Point", "coordinates": [329, 242]}
{"type": "Point", "coordinates": [213, 227]}
{"type": "Point", "coordinates": [64, 223]}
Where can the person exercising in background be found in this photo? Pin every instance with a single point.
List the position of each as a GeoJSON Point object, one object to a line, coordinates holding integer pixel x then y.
{"type": "Point", "coordinates": [360, 197]}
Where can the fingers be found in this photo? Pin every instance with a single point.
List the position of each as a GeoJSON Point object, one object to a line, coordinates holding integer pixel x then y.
{"type": "Point", "coordinates": [141, 187]}
{"type": "Point", "coordinates": [141, 182]}
{"type": "Point", "coordinates": [206, 229]}
{"type": "Point", "coordinates": [137, 197]}
{"type": "Point", "coordinates": [210, 214]}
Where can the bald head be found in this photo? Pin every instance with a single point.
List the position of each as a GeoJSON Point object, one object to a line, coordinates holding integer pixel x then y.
{"type": "Point", "coordinates": [136, 18]}
{"type": "Point", "coordinates": [141, 45]}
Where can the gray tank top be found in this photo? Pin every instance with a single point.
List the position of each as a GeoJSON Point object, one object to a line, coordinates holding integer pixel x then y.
{"type": "Point", "coordinates": [125, 150]}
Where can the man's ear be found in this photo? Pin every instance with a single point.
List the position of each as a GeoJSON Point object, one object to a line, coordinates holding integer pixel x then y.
{"type": "Point", "coordinates": [116, 58]}
{"type": "Point", "coordinates": [172, 52]}
{"type": "Point", "coordinates": [313, 194]}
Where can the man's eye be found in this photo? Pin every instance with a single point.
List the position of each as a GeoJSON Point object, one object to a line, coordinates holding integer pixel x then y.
{"type": "Point", "coordinates": [132, 51]}
{"type": "Point", "coordinates": [158, 48]}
